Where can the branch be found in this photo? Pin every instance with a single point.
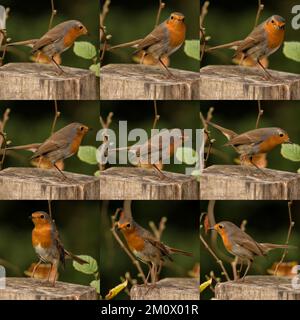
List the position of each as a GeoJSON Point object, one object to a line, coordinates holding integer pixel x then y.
{"type": "Point", "coordinates": [207, 132]}
{"type": "Point", "coordinates": [161, 227]}
{"type": "Point", "coordinates": [3, 140]}
{"type": "Point", "coordinates": [56, 116]}
{"type": "Point", "coordinates": [105, 125]}
{"type": "Point", "coordinates": [161, 6]}
{"type": "Point", "coordinates": [203, 14]}
{"type": "Point", "coordinates": [156, 115]}
{"type": "Point", "coordinates": [50, 209]}
{"type": "Point", "coordinates": [292, 223]}
{"type": "Point", "coordinates": [132, 258]}
{"type": "Point", "coordinates": [259, 10]}
{"type": "Point", "coordinates": [259, 115]}
{"type": "Point", "coordinates": [53, 13]}
{"type": "Point", "coordinates": [213, 254]}
{"type": "Point", "coordinates": [103, 36]}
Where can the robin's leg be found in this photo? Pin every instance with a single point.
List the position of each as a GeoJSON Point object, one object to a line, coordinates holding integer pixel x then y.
{"type": "Point", "coordinates": [248, 267]}
{"type": "Point", "coordinates": [160, 173]}
{"type": "Point", "coordinates": [60, 70]}
{"type": "Point", "coordinates": [268, 75]}
{"type": "Point", "coordinates": [60, 171]}
{"type": "Point", "coordinates": [49, 273]}
{"type": "Point", "coordinates": [149, 272]}
{"type": "Point", "coordinates": [143, 57]}
{"type": "Point", "coordinates": [170, 74]}
{"type": "Point", "coordinates": [257, 167]}
{"type": "Point", "coordinates": [35, 268]}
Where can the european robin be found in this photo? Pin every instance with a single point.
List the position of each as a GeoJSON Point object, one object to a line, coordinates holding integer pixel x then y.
{"type": "Point", "coordinates": [164, 40]}
{"type": "Point", "coordinates": [47, 245]}
{"type": "Point", "coordinates": [264, 40]}
{"type": "Point", "coordinates": [240, 244]}
{"type": "Point", "coordinates": [144, 245]}
{"type": "Point", "coordinates": [157, 150]}
{"type": "Point", "coordinates": [56, 40]}
{"type": "Point", "coordinates": [254, 142]}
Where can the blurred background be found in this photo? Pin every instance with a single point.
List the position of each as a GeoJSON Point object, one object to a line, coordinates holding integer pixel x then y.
{"type": "Point", "coordinates": [232, 20]}
{"type": "Point", "coordinates": [240, 116]}
{"type": "Point", "coordinates": [31, 122]}
{"type": "Point", "coordinates": [30, 20]}
{"type": "Point", "coordinates": [267, 221]}
{"type": "Point", "coordinates": [140, 114]}
{"type": "Point", "coordinates": [181, 232]}
{"type": "Point", "coordinates": [132, 20]}
{"type": "Point", "coordinates": [76, 221]}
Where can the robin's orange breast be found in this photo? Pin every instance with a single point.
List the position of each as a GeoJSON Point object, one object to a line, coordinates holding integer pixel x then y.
{"type": "Point", "coordinates": [275, 37]}
{"type": "Point", "coordinates": [226, 241]}
{"type": "Point", "coordinates": [134, 241]}
{"type": "Point", "coordinates": [269, 144]}
{"type": "Point", "coordinates": [176, 34]}
{"type": "Point", "coordinates": [76, 143]}
{"type": "Point", "coordinates": [70, 37]}
{"type": "Point", "coordinates": [42, 236]}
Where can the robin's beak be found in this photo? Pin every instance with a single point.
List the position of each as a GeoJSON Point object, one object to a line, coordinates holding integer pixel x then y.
{"type": "Point", "coordinates": [289, 142]}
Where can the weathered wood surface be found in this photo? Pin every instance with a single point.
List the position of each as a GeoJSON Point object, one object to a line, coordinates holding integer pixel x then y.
{"type": "Point", "coordinates": [258, 288]}
{"type": "Point", "coordinates": [221, 182]}
{"type": "Point", "coordinates": [33, 289]}
{"type": "Point", "coordinates": [168, 289]}
{"type": "Point", "coordinates": [34, 81]}
{"type": "Point", "coordinates": [125, 183]}
{"type": "Point", "coordinates": [141, 82]}
{"type": "Point", "coordinates": [247, 83]}
{"type": "Point", "coordinates": [40, 184]}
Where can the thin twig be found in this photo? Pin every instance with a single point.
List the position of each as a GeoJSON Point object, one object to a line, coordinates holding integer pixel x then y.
{"type": "Point", "coordinates": [3, 140]}
{"type": "Point", "coordinates": [259, 10]}
{"type": "Point", "coordinates": [203, 13]}
{"type": "Point", "coordinates": [103, 35]}
{"type": "Point", "coordinates": [161, 227]}
{"type": "Point", "coordinates": [53, 13]}
{"type": "Point", "coordinates": [50, 209]}
{"type": "Point", "coordinates": [56, 116]}
{"type": "Point", "coordinates": [156, 115]}
{"type": "Point", "coordinates": [259, 115]}
{"type": "Point", "coordinates": [292, 223]}
{"type": "Point", "coordinates": [161, 6]}
{"type": "Point", "coordinates": [207, 132]}
{"type": "Point", "coordinates": [132, 258]}
{"type": "Point", "coordinates": [105, 125]}
{"type": "Point", "coordinates": [213, 254]}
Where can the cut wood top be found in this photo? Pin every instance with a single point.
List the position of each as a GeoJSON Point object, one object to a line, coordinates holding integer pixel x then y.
{"type": "Point", "coordinates": [234, 182]}
{"type": "Point", "coordinates": [141, 82]}
{"type": "Point", "coordinates": [258, 288]}
{"type": "Point", "coordinates": [33, 289]}
{"type": "Point", "coordinates": [126, 183]}
{"type": "Point", "coordinates": [35, 81]}
{"type": "Point", "coordinates": [40, 184]}
{"type": "Point", "coordinates": [220, 82]}
{"type": "Point", "coordinates": [168, 289]}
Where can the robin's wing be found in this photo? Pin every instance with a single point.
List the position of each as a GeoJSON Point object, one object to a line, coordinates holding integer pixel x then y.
{"type": "Point", "coordinates": [59, 246]}
{"type": "Point", "coordinates": [255, 37]}
{"type": "Point", "coordinates": [155, 36]}
{"type": "Point", "coordinates": [160, 246]}
{"type": "Point", "coordinates": [247, 242]}
{"type": "Point", "coordinates": [50, 37]}
{"type": "Point", "coordinates": [48, 146]}
{"type": "Point", "coordinates": [250, 137]}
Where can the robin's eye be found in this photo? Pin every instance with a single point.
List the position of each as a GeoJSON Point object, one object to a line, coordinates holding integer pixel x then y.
{"type": "Point", "coordinates": [281, 135]}
{"type": "Point", "coordinates": [81, 128]}
{"type": "Point", "coordinates": [273, 21]}
{"type": "Point", "coordinates": [220, 226]}
{"type": "Point", "coordinates": [172, 17]}
{"type": "Point", "coordinates": [42, 216]}
{"type": "Point", "coordinates": [128, 225]}
{"type": "Point", "coordinates": [80, 27]}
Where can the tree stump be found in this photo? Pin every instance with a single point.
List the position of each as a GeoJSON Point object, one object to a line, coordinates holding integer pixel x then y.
{"type": "Point", "coordinates": [41, 184]}
{"type": "Point", "coordinates": [33, 289]}
{"type": "Point", "coordinates": [141, 82]}
{"type": "Point", "coordinates": [122, 183]}
{"type": "Point", "coordinates": [35, 81]}
{"type": "Point", "coordinates": [168, 289]}
{"type": "Point", "coordinates": [258, 288]}
{"type": "Point", "coordinates": [247, 83]}
{"type": "Point", "coordinates": [221, 182]}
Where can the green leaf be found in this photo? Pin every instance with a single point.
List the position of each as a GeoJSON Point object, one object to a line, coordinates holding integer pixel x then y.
{"type": "Point", "coordinates": [85, 50]}
{"type": "Point", "coordinates": [291, 151]}
{"type": "Point", "coordinates": [96, 284]}
{"type": "Point", "coordinates": [87, 154]}
{"type": "Point", "coordinates": [291, 50]}
{"type": "Point", "coordinates": [187, 155]}
{"type": "Point", "coordinates": [97, 173]}
{"type": "Point", "coordinates": [298, 171]}
{"type": "Point", "coordinates": [96, 69]}
{"type": "Point", "coordinates": [91, 267]}
{"type": "Point", "coordinates": [205, 284]}
{"type": "Point", "coordinates": [192, 49]}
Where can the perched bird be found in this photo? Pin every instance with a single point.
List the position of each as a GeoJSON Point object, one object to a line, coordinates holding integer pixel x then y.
{"type": "Point", "coordinates": [56, 40]}
{"type": "Point", "coordinates": [240, 244]}
{"type": "Point", "coordinates": [144, 245]}
{"type": "Point", "coordinates": [264, 40]}
{"type": "Point", "coordinates": [164, 40]}
{"type": "Point", "coordinates": [47, 245]}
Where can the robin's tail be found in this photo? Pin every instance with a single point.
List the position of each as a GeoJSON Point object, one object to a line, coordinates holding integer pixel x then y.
{"type": "Point", "coordinates": [230, 45]}
{"type": "Point", "coordinates": [30, 147]}
{"type": "Point", "coordinates": [173, 250]}
{"type": "Point", "coordinates": [270, 246]}
{"type": "Point", "coordinates": [29, 43]}
{"type": "Point", "coordinates": [229, 134]}
{"type": "Point", "coordinates": [132, 44]}
{"type": "Point", "coordinates": [75, 258]}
